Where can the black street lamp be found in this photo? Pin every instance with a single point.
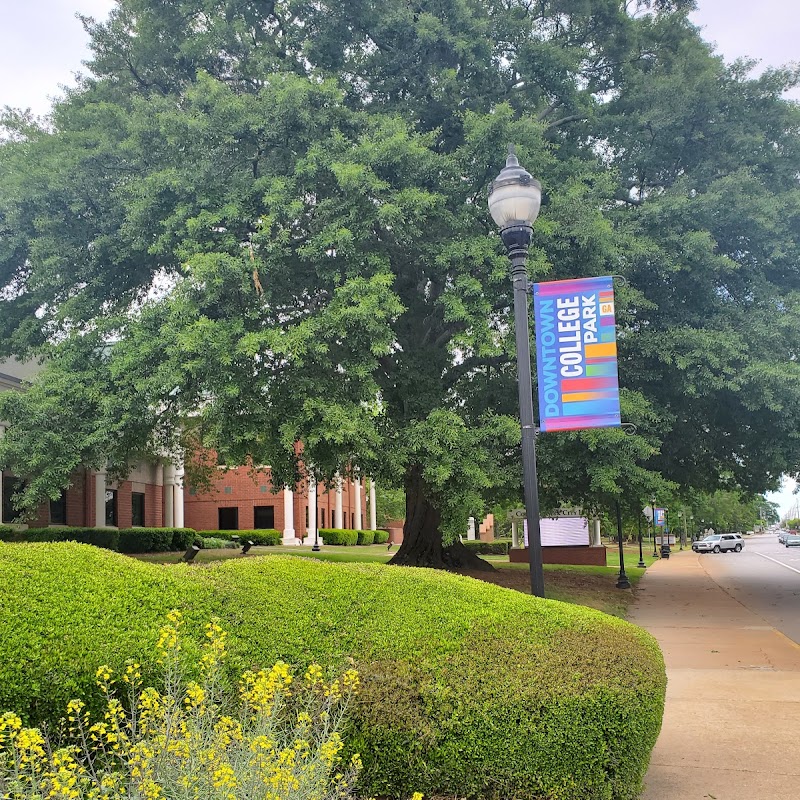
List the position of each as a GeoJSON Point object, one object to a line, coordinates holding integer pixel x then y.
{"type": "Point", "coordinates": [514, 201]}
{"type": "Point", "coordinates": [641, 563]}
{"type": "Point", "coordinates": [653, 506]}
{"type": "Point", "coordinates": [622, 580]}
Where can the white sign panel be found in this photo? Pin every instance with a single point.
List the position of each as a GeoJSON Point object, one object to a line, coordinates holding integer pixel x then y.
{"type": "Point", "coordinates": [562, 532]}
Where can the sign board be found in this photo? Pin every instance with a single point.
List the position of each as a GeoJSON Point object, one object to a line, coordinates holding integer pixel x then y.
{"type": "Point", "coordinates": [576, 354]}
{"type": "Point", "coordinates": [565, 512]}
{"type": "Point", "coordinates": [562, 532]}
{"type": "Point", "coordinates": [659, 517]}
{"type": "Point", "coordinates": [518, 514]}
{"type": "Point", "coordinates": [648, 512]}
{"type": "Point", "coordinates": [668, 539]}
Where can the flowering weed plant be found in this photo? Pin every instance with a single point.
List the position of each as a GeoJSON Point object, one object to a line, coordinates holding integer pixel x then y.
{"type": "Point", "coordinates": [277, 740]}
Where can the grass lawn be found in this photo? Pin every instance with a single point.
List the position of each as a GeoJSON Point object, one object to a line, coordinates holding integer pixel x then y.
{"type": "Point", "coordinates": [583, 585]}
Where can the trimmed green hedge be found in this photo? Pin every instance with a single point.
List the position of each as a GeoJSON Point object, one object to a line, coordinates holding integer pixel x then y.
{"type": "Point", "coordinates": [381, 537]}
{"type": "Point", "coordinates": [365, 537]}
{"type": "Point", "coordinates": [107, 538]}
{"type": "Point", "coordinates": [155, 540]}
{"type": "Point", "coordinates": [125, 540]}
{"type": "Point", "coordinates": [338, 536]}
{"type": "Point", "coordinates": [263, 537]}
{"type": "Point", "coordinates": [574, 717]}
{"type": "Point", "coordinates": [496, 548]}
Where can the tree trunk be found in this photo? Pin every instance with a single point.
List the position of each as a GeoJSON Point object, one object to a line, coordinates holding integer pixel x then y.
{"type": "Point", "coordinates": [422, 539]}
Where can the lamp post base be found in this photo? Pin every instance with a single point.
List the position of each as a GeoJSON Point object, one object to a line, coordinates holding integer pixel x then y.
{"type": "Point", "coordinates": [623, 582]}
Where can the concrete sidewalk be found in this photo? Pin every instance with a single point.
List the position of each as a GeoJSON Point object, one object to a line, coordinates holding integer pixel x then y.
{"type": "Point", "coordinates": [732, 718]}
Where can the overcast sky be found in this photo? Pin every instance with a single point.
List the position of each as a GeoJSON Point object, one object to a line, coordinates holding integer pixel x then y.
{"type": "Point", "coordinates": [42, 44]}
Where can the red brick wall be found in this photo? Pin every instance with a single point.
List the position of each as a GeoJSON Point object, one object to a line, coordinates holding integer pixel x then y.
{"type": "Point", "coordinates": [76, 501]}
{"type": "Point", "coordinates": [201, 510]}
{"type": "Point", "coordinates": [80, 504]}
{"type": "Point", "coordinates": [593, 556]}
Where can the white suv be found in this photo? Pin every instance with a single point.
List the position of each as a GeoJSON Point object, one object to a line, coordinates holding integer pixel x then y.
{"type": "Point", "coordinates": [719, 543]}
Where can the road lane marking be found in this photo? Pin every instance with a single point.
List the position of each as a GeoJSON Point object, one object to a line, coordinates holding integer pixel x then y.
{"type": "Point", "coordinates": [779, 562]}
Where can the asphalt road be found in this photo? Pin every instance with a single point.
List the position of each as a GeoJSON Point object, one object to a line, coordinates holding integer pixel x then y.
{"type": "Point", "coordinates": [765, 578]}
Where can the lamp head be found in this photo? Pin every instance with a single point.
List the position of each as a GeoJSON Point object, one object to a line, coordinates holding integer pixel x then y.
{"type": "Point", "coordinates": [514, 195]}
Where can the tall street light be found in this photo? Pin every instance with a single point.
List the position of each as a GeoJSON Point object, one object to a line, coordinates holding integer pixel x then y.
{"type": "Point", "coordinates": [653, 506]}
{"type": "Point", "coordinates": [514, 201]}
{"type": "Point", "coordinates": [641, 564]}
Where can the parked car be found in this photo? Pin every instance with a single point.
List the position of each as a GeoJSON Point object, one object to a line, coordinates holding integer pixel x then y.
{"type": "Point", "coordinates": [719, 543]}
{"type": "Point", "coordinates": [792, 541]}
{"type": "Point", "coordinates": [782, 536]}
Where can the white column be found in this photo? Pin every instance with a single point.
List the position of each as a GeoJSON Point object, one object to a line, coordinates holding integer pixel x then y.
{"type": "Point", "coordinates": [471, 528]}
{"type": "Point", "coordinates": [514, 533]}
{"type": "Point", "coordinates": [337, 509]}
{"type": "Point", "coordinates": [373, 510]}
{"type": "Point", "coordinates": [169, 496]}
{"type": "Point", "coordinates": [596, 541]}
{"type": "Point", "coordinates": [177, 510]}
{"type": "Point", "coordinates": [357, 487]}
{"type": "Point", "coordinates": [312, 510]}
{"type": "Point", "coordinates": [100, 498]}
{"type": "Point", "coordinates": [288, 517]}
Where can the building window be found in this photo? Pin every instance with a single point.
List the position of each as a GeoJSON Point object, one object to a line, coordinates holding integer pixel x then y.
{"type": "Point", "coordinates": [322, 518]}
{"type": "Point", "coordinates": [229, 519]}
{"type": "Point", "coordinates": [353, 521]}
{"type": "Point", "coordinates": [263, 517]}
{"type": "Point", "coordinates": [58, 510]}
{"type": "Point", "coordinates": [306, 516]}
{"type": "Point", "coordinates": [111, 508]}
{"type": "Point", "coordinates": [137, 509]}
{"type": "Point", "coordinates": [11, 486]}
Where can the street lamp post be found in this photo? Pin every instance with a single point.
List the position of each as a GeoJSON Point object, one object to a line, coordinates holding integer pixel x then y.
{"type": "Point", "coordinates": [514, 201]}
{"type": "Point", "coordinates": [653, 506]}
{"type": "Point", "coordinates": [641, 563]}
{"type": "Point", "coordinates": [622, 580]}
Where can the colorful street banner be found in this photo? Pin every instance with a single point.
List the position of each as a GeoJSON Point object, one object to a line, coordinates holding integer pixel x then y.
{"type": "Point", "coordinates": [659, 517]}
{"type": "Point", "coordinates": [576, 354]}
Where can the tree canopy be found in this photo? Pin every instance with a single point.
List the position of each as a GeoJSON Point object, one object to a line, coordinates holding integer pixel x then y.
{"type": "Point", "coordinates": [257, 224]}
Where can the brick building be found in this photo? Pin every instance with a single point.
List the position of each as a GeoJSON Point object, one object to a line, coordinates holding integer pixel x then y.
{"type": "Point", "coordinates": [242, 499]}
{"type": "Point", "coordinates": [154, 495]}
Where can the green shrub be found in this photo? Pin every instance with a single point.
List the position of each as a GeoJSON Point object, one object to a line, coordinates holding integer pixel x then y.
{"type": "Point", "coordinates": [196, 739]}
{"type": "Point", "coordinates": [155, 540]}
{"type": "Point", "coordinates": [213, 543]}
{"type": "Point", "coordinates": [125, 540]}
{"type": "Point", "coordinates": [263, 537]}
{"type": "Point", "coordinates": [499, 548]}
{"type": "Point", "coordinates": [107, 538]}
{"type": "Point", "coordinates": [575, 716]}
{"type": "Point", "coordinates": [338, 536]}
{"type": "Point", "coordinates": [365, 537]}
{"type": "Point", "coordinates": [182, 538]}
{"type": "Point", "coordinates": [381, 537]}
